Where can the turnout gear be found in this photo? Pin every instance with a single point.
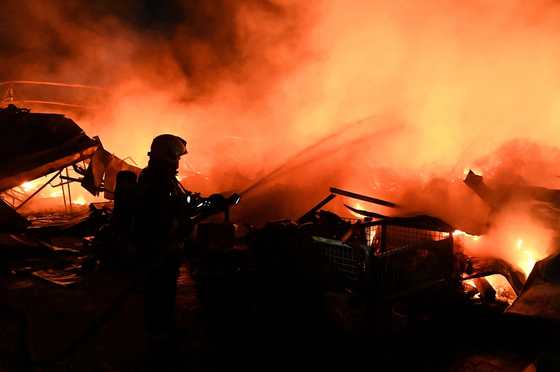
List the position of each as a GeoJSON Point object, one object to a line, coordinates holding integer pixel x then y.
{"type": "Point", "coordinates": [161, 223]}
{"type": "Point", "coordinates": [161, 206]}
{"type": "Point", "coordinates": [165, 214]}
{"type": "Point", "coordinates": [156, 226]}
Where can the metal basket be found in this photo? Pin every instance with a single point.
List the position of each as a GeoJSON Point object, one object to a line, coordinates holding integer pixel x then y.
{"type": "Point", "coordinates": [395, 259]}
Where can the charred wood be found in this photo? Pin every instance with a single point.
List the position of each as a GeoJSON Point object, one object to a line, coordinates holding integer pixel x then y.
{"type": "Point", "coordinates": [362, 197]}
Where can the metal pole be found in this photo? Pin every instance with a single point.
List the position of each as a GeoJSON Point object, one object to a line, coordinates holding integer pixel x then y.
{"type": "Point", "coordinates": [39, 190]}
{"type": "Point", "coordinates": [61, 185]}
{"type": "Point", "coordinates": [69, 194]}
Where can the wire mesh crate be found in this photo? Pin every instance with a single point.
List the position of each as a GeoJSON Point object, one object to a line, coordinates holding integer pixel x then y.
{"type": "Point", "coordinates": [391, 258]}
{"type": "Point", "coordinates": [350, 260]}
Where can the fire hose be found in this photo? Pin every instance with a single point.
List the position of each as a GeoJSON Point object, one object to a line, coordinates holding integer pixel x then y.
{"type": "Point", "coordinates": [26, 358]}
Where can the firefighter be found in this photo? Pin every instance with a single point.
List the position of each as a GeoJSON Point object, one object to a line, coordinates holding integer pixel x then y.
{"type": "Point", "coordinates": [161, 224]}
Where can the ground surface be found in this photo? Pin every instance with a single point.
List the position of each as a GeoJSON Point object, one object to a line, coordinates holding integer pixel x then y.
{"type": "Point", "coordinates": [226, 334]}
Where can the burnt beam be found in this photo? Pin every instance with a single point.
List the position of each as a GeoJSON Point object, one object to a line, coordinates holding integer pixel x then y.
{"type": "Point", "coordinates": [316, 208]}
{"type": "Point", "coordinates": [362, 197]}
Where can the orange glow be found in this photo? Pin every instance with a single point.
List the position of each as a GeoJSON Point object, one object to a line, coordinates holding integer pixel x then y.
{"type": "Point", "coordinates": [80, 200]}
{"type": "Point", "coordinates": [370, 233]}
{"type": "Point", "coordinates": [527, 266]}
{"type": "Point", "coordinates": [28, 186]}
{"type": "Point", "coordinates": [503, 289]}
{"type": "Point", "coordinates": [393, 99]}
{"type": "Point", "coordinates": [51, 198]}
{"type": "Point", "coordinates": [458, 233]}
{"type": "Point", "coordinates": [495, 245]}
{"type": "Point", "coordinates": [357, 206]}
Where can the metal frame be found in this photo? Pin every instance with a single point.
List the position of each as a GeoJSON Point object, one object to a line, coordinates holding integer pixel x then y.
{"type": "Point", "coordinates": [64, 184]}
{"type": "Point", "coordinates": [382, 259]}
{"type": "Point", "coordinates": [10, 99]}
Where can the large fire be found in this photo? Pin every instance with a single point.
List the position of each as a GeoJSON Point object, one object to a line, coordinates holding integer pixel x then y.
{"type": "Point", "coordinates": [287, 98]}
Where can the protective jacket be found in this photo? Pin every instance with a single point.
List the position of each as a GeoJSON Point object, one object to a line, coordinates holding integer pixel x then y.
{"type": "Point", "coordinates": [162, 212]}
{"type": "Point", "coordinates": [160, 220]}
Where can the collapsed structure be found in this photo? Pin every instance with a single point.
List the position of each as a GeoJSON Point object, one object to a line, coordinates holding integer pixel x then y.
{"type": "Point", "coordinates": [539, 293]}
{"type": "Point", "coordinates": [373, 259]}
{"type": "Point", "coordinates": [34, 145]}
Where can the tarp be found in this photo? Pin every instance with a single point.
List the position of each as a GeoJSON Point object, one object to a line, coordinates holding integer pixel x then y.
{"type": "Point", "coordinates": [539, 297]}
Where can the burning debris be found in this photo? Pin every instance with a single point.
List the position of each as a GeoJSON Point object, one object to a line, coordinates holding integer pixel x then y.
{"type": "Point", "coordinates": [537, 297]}
{"type": "Point", "coordinates": [376, 255]}
{"type": "Point", "coordinates": [349, 269]}
{"type": "Point", "coordinates": [196, 68]}
{"type": "Point", "coordinates": [37, 145]}
{"type": "Point", "coordinates": [383, 259]}
{"type": "Point", "coordinates": [27, 156]}
{"type": "Point", "coordinates": [373, 272]}
{"type": "Point", "coordinates": [33, 146]}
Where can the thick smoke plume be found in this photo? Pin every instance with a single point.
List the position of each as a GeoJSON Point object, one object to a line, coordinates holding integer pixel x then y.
{"type": "Point", "coordinates": [282, 99]}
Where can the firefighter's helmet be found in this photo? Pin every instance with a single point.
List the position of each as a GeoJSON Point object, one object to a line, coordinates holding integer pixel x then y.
{"type": "Point", "coordinates": [168, 148]}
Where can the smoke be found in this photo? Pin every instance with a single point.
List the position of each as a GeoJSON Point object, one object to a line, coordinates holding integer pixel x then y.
{"type": "Point", "coordinates": [394, 100]}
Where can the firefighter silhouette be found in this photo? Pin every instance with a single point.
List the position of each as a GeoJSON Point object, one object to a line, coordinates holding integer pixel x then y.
{"type": "Point", "coordinates": [161, 215]}
{"type": "Point", "coordinates": [161, 223]}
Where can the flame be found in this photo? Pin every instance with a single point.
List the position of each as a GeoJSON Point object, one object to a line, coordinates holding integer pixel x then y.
{"type": "Point", "coordinates": [357, 206]}
{"type": "Point", "coordinates": [27, 186]}
{"type": "Point", "coordinates": [53, 197]}
{"type": "Point", "coordinates": [464, 234]}
{"type": "Point", "coordinates": [463, 240]}
{"type": "Point", "coordinates": [31, 185]}
{"type": "Point", "coordinates": [521, 256]}
{"type": "Point", "coordinates": [299, 70]}
{"type": "Point", "coordinates": [527, 266]}
{"type": "Point", "coordinates": [80, 200]}
{"type": "Point", "coordinates": [370, 233]}
{"type": "Point", "coordinates": [55, 194]}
